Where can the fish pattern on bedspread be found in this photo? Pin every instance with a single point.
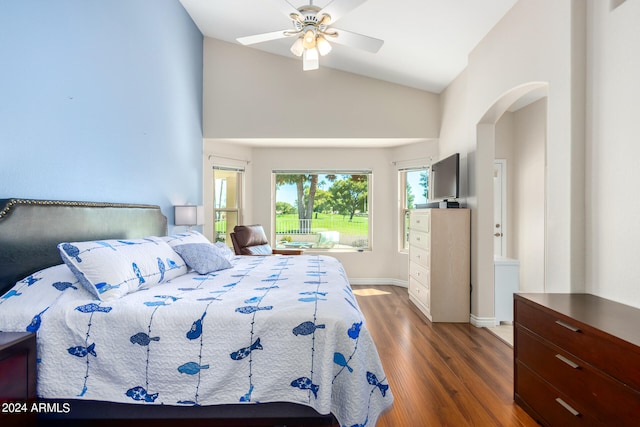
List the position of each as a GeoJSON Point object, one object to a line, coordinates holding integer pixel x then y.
{"type": "Point", "coordinates": [270, 329]}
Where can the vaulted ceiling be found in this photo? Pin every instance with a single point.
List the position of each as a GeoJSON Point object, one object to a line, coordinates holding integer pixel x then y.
{"type": "Point", "coordinates": [426, 42]}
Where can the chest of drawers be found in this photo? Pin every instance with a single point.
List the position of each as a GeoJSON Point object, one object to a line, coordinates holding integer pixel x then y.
{"type": "Point", "coordinates": [577, 360]}
{"type": "Point", "coordinates": [439, 263]}
{"type": "Point", "coordinates": [17, 376]}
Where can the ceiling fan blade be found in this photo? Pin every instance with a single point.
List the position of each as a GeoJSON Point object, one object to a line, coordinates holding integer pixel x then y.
{"type": "Point", "coordinates": [287, 8]}
{"type": "Point", "coordinates": [347, 38]}
{"type": "Point", "coordinates": [337, 8]}
{"type": "Point", "coordinates": [259, 38]}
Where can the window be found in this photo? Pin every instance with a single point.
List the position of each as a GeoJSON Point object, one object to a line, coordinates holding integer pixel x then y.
{"type": "Point", "coordinates": [322, 210]}
{"type": "Point", "coordinates": [414, 184]}
{"type": "Point", "coordinates": [226, 201]}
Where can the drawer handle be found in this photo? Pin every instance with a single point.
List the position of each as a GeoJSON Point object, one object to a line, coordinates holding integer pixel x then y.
{"type": "Point", "coordinates": [568, 407]}
{"type": "Point", "coordinates": [568, 326]}
{"type": "Point", "coordinates": [567, 361]}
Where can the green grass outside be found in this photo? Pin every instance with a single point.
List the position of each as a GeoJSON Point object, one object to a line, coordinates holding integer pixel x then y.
{"type": "Point", "coordinates": [334, 222]}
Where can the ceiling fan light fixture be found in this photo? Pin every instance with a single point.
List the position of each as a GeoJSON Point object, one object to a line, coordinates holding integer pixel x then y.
{"type": "Point", "coordinates": [323, 45]}
{"type": "Point", "coordinates": [310, 59]}
{"type": "Point", "coordinates": [309, 39]}
{"type": "Point", "coordinates": [297, 47]}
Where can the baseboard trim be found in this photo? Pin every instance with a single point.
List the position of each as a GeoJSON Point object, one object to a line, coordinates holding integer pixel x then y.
{"type": "Point", "coordinates": [482, 322]}
{"type": "Point", "coordinates": [379, 282]}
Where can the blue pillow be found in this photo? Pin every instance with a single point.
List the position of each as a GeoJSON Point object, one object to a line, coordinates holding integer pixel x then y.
{"type": "Point", "coordinates": [202, 257]}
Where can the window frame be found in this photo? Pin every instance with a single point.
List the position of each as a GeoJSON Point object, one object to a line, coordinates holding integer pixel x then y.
{"type": "Point", "coordinates": [238, 209]}
{"type": "Point", "coordinates": [403, 223]}
{"type": "Point", "coordinates": [338, 172]}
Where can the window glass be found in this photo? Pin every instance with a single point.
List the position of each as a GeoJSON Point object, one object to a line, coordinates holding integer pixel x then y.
{"type": "Point", "coordinates": [226, 197]}
{"type": "Point", "coordinates": [415, 183]}
{"type": "Point", "coordinates": [322, 210]}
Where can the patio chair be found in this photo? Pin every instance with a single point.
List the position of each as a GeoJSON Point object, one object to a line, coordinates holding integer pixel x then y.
{"type": "Point", "coordinates": [327, 239]}
{"type": "Point", "coordinates": [252, 240]}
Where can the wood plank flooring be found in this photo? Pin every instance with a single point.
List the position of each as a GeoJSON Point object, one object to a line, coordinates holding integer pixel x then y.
{"type": "Point", "coordinates": [441, 374]}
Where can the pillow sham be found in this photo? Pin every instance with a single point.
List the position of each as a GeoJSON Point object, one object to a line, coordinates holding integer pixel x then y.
{"type": "Point", "coordinates": [202, 257]}
{"type": "Point", "coordinates": [190, 236]}
{"type": "Point", "coordinates": [110, 269]}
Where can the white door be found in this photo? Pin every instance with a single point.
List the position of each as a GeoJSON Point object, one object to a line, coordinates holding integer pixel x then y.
{"type": "Point", "coordinates": [499, 207]}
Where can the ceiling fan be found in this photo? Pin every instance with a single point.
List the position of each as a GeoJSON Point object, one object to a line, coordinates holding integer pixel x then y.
{"type": "Point", "coordinates": [312, 27]}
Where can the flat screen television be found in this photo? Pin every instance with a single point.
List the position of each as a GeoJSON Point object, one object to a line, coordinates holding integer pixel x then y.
{"type": "Point", "coordinates": [445, 178]}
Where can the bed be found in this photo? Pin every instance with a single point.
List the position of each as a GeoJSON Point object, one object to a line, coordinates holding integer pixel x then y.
{"type": "Point", "coordinates": [279, 339]}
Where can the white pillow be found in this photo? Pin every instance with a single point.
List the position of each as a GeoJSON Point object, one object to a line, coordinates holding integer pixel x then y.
{"type": "Point", "coordinates": [111, 269]}
{"type": "Point", "coordinates": [225, 251]}
{"type": "Point", "coordinates": [190, 236]}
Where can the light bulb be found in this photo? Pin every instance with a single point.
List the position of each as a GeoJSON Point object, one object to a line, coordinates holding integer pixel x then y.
{"type": "Point", "coordinates": [309, 39]}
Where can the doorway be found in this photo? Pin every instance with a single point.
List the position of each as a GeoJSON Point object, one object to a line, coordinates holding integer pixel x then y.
{"type": "Point", "coordinates": [500, 208]}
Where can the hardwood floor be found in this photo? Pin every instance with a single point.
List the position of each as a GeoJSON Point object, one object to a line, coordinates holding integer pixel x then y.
{"type": "Point", "coordinates": [441, 374]}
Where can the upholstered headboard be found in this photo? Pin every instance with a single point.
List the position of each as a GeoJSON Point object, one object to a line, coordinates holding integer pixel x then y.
{"type": "Point", "coordinates": [31, 229]}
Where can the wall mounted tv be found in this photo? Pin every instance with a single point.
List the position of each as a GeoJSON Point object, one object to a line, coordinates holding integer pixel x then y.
{"type": "Point", "coordinates": [445, 178]}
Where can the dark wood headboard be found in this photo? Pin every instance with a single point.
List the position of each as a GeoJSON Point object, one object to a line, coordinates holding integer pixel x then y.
{"type": "Point", "coordinates": [30, 230]}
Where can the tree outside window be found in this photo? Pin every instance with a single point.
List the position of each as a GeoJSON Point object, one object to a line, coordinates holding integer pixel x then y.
{"type": "Point", "coordinates": [415, 183]}
{"type": "Point", "coordinates": [321, 210]}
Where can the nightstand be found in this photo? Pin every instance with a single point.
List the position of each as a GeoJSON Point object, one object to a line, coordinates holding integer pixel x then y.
{"type": "Point", "coordinates": [17, 376]}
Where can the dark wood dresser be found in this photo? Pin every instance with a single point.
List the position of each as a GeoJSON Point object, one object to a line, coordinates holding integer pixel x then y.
{"type": "Point", "coordinates": [577, 360]}
{"type": "Point", "coordinates": [17, 378]}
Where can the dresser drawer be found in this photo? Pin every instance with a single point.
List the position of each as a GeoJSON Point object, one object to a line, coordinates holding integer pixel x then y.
{"type": "Point", "coordinates": [419, 239]}
{"type": "Point", "coordinates": [598, 349]}
{"type": "Point", "coordinates": [418, 272]}
{"type": "Point", "coordinates": [13, 377]}
{"type": "Point", "coordinates": [602, 397]}
{"type": "Point", "coordinates": [420, 256]}
{"type": "Point", "coordinates": [420, 292]}
{"type": "Point", "coordinates": [420, 221]}
{"type": "Point", "coordinates": [546, 401]}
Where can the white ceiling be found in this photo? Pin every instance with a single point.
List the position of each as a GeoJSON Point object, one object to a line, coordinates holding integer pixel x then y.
{"type": "Point", "coordinates": [426, 41]}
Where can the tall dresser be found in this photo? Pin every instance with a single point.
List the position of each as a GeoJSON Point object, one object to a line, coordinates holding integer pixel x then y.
{"type": "Point", "coordinates": [439, 263]}
{"type": "Point", "coordinates": [577, 360]}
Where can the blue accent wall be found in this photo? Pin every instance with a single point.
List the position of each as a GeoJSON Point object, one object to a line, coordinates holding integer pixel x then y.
{"type": "Point", "coordinates": [100, 100]}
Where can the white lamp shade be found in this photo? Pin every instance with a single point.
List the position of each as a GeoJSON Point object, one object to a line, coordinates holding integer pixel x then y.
{"type": "Point", "coordinates": [188, 215]}
{"type": "Point", "coordinates": [310, 60]}
{"type": "Point", "coordinates": [323, 46]}
{"type": "Point", "coordinates": [297, 47]}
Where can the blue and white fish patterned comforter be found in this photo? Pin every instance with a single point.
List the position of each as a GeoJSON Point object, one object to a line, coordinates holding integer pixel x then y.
{"type": "Point", "coordinates": [271, 329]}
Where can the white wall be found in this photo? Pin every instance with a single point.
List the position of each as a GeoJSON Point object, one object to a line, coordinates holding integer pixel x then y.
{"type": "Point", "coordinates": [257, 98]}
{"type": "Point", "coordinates": [613, 174]}
{"type": "Point", "coordinates": [385, 263]}
{"type": "Point", "coordinates": [252, 94]}
{"type": "Point", "coordinates": [539, 42]}
{"type": "Point", "coordinates": [530, 130]}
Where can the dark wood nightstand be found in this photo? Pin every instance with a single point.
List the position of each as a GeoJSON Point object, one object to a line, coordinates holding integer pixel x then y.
{"type": "Point", "coordinates": [17, 376]}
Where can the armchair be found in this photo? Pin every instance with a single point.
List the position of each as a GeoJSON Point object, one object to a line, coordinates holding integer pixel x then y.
{"type": "Point", "coordinates": [252, 240]}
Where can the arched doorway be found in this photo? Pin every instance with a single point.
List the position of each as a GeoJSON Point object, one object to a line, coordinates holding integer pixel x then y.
{"type": "Point", "coordinates": [483, 251]}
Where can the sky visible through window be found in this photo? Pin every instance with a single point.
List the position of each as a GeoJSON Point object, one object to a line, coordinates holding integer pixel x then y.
{"type": "Point", "coordinates": [287, 193]}
{"type": "Point", "coordinates": [413, 180]}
